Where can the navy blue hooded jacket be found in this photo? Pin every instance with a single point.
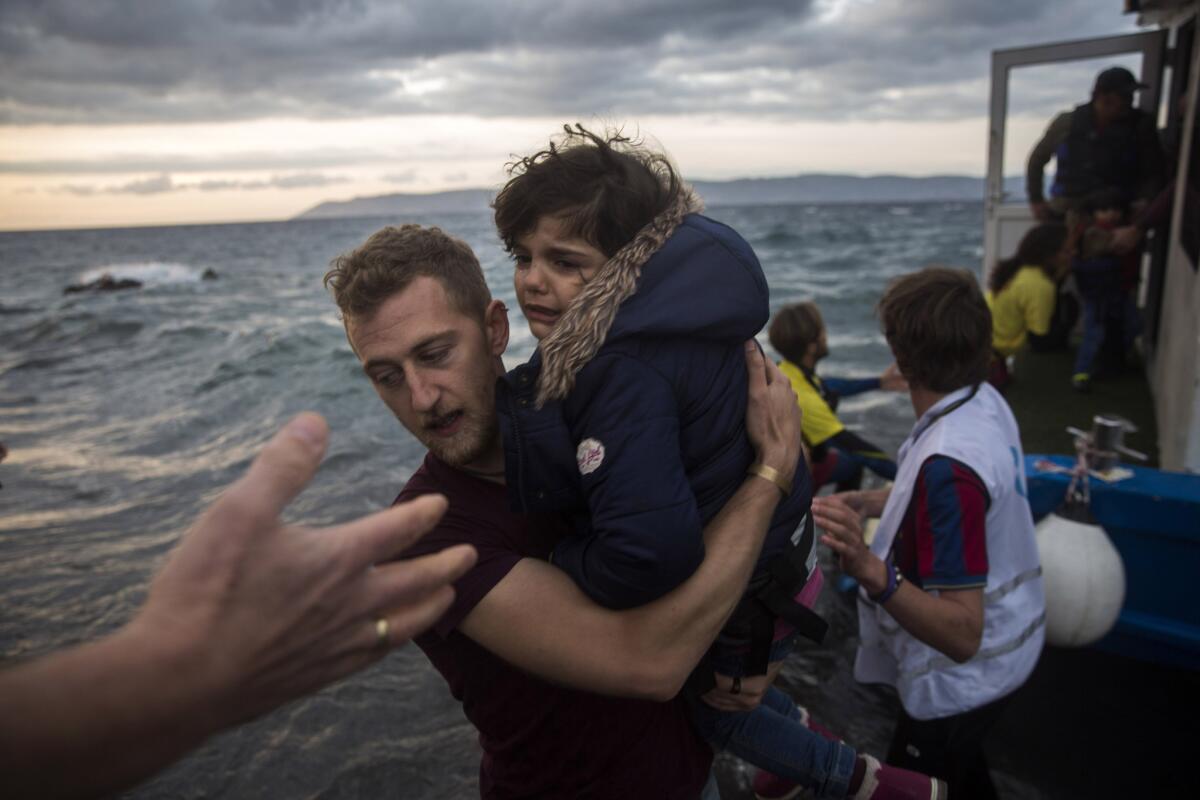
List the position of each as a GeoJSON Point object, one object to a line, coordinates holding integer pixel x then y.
{"type": "Point", "coordinates": [651, 441]}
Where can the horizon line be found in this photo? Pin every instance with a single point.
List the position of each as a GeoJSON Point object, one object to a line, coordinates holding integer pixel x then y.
{"type": "Point", "coordinates": [299, 218]}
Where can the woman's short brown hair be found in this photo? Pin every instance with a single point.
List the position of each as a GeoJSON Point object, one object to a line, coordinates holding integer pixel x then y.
{"type": "Point", "coordinates": [939, 328]}
{"type": "Point", "coordinates": [363, 279]}
{"type": "Point", "coordinates": [794, 328]}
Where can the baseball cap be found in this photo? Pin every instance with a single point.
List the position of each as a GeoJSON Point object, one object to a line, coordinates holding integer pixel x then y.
{"type": "Point", "coordinates": [1117, 79]}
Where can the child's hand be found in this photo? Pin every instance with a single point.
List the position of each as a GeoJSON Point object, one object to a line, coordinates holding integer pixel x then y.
{"type": "Point", "coordinates": [749, 694]}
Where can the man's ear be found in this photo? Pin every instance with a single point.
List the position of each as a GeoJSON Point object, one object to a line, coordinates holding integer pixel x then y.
{"type": "Point", "coordinates": [346, 322]}
{"type": "Point", "coordinates": [495, 325]}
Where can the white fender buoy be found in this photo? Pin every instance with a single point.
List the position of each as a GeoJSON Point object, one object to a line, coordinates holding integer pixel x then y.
{"type": "Point", "coordinates": [1084, 579]}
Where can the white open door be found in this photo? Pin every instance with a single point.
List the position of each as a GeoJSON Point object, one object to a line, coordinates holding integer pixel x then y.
{"type": "Point", "coordinates": [1006, 214]}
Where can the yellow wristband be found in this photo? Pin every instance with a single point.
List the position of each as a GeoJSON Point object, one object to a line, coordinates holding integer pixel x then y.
{"type": "Point", "coordinates": [771, 474]}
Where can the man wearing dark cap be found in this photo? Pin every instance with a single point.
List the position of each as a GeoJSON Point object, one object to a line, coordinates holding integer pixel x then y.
{"type": "Point", "coordinates": [1103, 144]}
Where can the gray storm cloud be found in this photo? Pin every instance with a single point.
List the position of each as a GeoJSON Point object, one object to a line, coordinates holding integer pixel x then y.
{"type": "Point", "coordinates": [161, 184]}
{"type": "Point", "coordinates": [183, 162]}
{"type": "Point", "coordinates": [130, 61]}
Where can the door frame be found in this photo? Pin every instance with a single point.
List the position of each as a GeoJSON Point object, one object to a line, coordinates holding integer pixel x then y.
{"type": "Point", "coordinates": [997, 208]}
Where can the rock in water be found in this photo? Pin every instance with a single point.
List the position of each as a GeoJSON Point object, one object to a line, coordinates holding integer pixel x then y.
{"type": "Point", "coordinates": [105, 283]}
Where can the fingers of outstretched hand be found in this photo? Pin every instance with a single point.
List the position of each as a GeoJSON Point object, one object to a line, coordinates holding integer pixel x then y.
{"type": "Point", "coordinates": [217, 544]}
{"type": "Point", "coordinates": [833, 513]}
{"type": "Point", "coordinates": [408, 593]}
{"type": "Point", "coordinates": [835, 544]}
{"type": "Point", "coordinates": [845, 543]}
{"type": "Point", "coordinates": [415, 618]}
{"type": "Point", "coordinates": [386, 534]}
{"type": "Point", "coordinates": [310, 662]}
{"type": "Point", "coordinates": [365, 646]}
{"type": "Point", "coordinates": [284, 467]}
{"type": "Point", "coordinates": [388, 616]}
{"type": "Point", "coordinates": [395, 625]}
{"type": "Point", "coordinates": [398, 584]}
{"type": "Point", "coordinates": [853, 500]}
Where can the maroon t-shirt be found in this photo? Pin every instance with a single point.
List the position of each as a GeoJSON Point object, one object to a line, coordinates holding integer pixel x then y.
{"type": "Point", "coordinates": [541, 740]}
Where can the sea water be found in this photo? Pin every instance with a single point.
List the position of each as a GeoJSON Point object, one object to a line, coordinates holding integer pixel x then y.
{"type": "Point", "coordinates": [126, 412]}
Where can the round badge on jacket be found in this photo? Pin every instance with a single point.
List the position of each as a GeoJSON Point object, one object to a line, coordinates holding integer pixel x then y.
{"type": "Point", "coordinates": [589, 455]}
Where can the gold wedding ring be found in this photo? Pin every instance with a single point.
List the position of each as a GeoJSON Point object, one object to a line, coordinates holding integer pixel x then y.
{"type": "Point", "coordinates": [382, 639]}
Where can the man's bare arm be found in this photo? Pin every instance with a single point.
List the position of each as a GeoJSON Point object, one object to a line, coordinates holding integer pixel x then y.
{"type": "Point", "coordinates": [1039, 157]}
{"type": "Point", "coordinates": [537, 619]}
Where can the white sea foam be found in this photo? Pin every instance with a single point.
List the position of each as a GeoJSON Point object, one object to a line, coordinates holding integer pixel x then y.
{"type": "Point", "coordinates": [150, 273]}
{"type": "Point", "coordinates": [866, 338]}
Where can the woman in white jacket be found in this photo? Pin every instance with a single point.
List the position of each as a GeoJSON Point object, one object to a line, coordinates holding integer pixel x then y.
{"type": "Point", "coordinates": [951, 608]}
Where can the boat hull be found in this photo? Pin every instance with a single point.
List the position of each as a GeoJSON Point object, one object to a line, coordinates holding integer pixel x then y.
{"type": "Point", "coordinates": [1153, 519]}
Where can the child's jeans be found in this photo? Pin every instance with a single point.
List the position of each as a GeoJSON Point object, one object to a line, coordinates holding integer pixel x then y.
{"type": "Point", "coordinates": [1097, 311]}
{"type": "Point", "coordinates": [773, 738]}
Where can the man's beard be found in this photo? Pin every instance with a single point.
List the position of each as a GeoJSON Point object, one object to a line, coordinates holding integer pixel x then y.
{"type": "Point", "coordinates": [470, 444]}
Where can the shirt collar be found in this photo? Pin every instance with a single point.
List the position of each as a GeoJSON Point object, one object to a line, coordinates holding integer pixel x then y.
{"type": "Point", "coordinates": [937, 411]}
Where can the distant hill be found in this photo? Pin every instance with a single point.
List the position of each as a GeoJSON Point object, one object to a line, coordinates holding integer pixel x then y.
{"type": "Point", "coordinates": [820, 188]}
{"type": "Point", "coordinates": [383, 205]}
{"type": "Point", "coordinates": [811, 188]}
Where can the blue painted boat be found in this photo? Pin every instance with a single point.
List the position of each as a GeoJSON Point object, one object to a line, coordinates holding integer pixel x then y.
{"type": "Point", "coordinates": [1153, 519]}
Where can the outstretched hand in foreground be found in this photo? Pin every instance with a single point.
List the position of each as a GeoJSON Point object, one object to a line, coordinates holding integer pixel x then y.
{"type": "Point", "coordinates": [247, 614]}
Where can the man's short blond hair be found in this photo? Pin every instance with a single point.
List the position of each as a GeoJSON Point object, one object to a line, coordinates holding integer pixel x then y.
{"type": "Point", "coordinates": [363, 279]}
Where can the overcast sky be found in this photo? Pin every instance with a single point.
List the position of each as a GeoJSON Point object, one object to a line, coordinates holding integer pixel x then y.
{"type": "Point", "coordinates": [150, 111]}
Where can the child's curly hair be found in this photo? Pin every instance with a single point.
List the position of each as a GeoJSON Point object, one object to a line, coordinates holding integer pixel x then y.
{"type": "Point", "coordinates": [603, 188]}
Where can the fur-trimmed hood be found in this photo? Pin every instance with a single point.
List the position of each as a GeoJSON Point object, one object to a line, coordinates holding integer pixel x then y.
{"type": "Point", "coordinates": [683, 274]}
